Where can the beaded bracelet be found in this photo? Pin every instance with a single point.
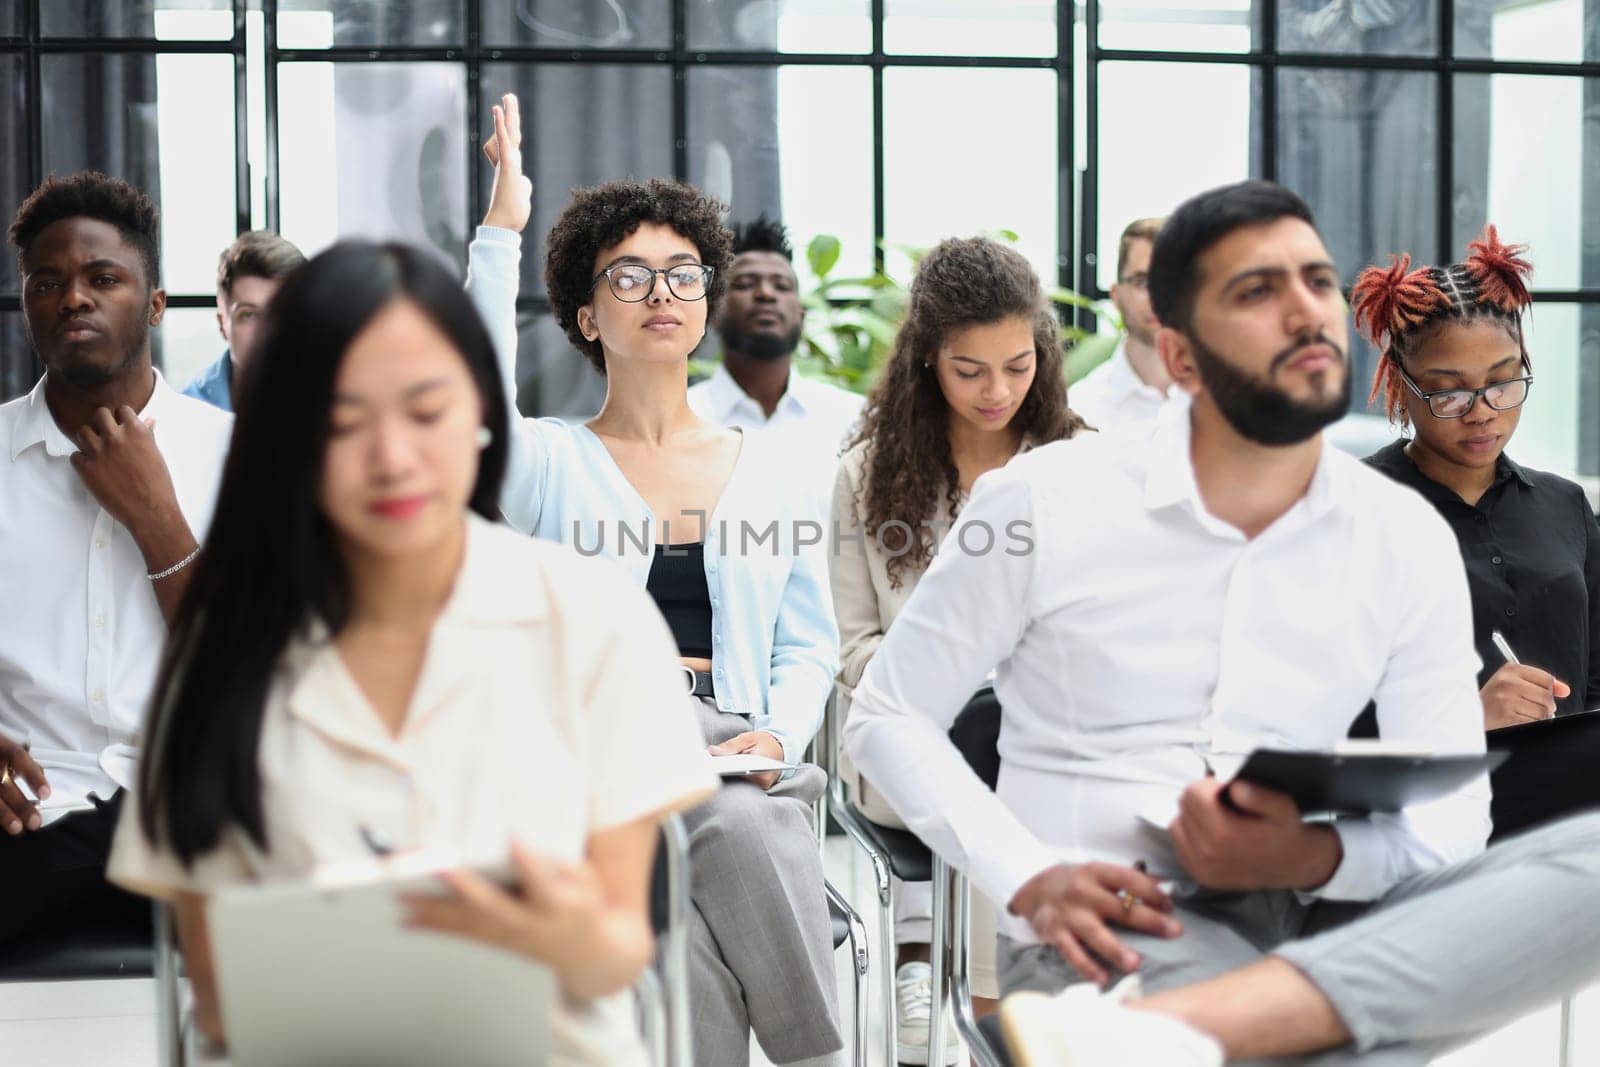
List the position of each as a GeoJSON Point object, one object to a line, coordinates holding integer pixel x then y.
{"type": "Point", "coordinates": [176, 567]}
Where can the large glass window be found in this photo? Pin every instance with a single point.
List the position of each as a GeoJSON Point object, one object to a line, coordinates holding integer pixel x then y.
{"type": "Point", "coordinates": [374, 150]}
{"type": "Point", "coordinates": [1407, 124]}
{"type": "Point", "coordinates": [1401, 137]}
{"type": "Point", "coordinates": [996, 174]}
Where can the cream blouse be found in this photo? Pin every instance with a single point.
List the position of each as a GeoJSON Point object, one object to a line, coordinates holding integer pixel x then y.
{"type": "Point", "coordinates": [549, 707]}
{"type": "Point", "coordinates": [865, 601]}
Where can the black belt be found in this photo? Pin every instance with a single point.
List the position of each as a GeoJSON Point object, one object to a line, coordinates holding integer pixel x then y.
{"type": "Point", "coordinates": [698, 682]}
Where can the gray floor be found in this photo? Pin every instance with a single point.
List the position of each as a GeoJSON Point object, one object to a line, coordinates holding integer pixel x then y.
{"type": "Point", "coordinates": [112, 1024]}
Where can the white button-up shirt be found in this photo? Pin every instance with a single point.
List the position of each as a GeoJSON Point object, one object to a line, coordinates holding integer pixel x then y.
{"type": "Point", "coordinates": [816, 417]}
{"type": "Point", "coordinates": [1137, 638]}
{"type": "Point", "coordinates": [1113, 398]}
{"type": "Point", "coordinates": [81, 632]}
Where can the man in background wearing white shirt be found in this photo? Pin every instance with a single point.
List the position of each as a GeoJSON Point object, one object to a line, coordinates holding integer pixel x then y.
{"type": "Point", "coordinates": [1229, 584]}
{"type": "Point", "coordinates": [757, 386]}
{"type": "Point", "coordinates": [1127, 391]}
{"type": "Point", "coordinates": [106, 485]}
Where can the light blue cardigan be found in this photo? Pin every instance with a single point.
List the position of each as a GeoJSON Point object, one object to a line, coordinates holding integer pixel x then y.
{"type": "Point", "coordinates": [774, 645]}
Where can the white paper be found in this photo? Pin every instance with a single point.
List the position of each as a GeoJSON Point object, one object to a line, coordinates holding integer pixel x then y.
{"type": "Point", "coordinates": [745, 763]}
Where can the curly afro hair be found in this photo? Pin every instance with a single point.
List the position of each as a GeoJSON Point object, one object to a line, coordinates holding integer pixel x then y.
{"type": "Point", "coordinates": [90, 194]}
{"type": "Point", "coordinates": [605, 215]}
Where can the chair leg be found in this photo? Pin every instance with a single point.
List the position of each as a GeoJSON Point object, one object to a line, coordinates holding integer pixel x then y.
{"type": "Point", "coordinates": [856, 938]}
{"type": "Point", "coordinates": [940, 955]}
{"type": "Point", "coordinates": [961, 980]}
{"type": "Point", "coordinates": [653, 1011]}
{"type": "Point", "coordinates": [885, 884]}
{"type": "Point", "coordinates": [675, 944]}
{"type": "Point", "coordinates": [169, 1018]}
{"type": "Point", "coordinates": [1569, 1034]}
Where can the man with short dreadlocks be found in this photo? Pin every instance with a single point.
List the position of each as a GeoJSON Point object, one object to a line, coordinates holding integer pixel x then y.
{"type": "Point", "coordinates": [757, 387]}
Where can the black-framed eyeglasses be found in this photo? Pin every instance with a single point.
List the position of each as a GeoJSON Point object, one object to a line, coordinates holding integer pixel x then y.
{"type": "Point", "coordinates": [1454, 403]}
{"type": "Point", "coordinates": [633, 282]}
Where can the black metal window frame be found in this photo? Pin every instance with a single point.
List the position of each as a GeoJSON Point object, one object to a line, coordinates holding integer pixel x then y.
{"type": "Point", "coordinates": [1077, 221]}
{"type": "Point", "coordinates": [681, 59]}
{"type": "Point", "coordinates": [33, 46]}
{"type": "Point", "coordinates": [1267, 60]}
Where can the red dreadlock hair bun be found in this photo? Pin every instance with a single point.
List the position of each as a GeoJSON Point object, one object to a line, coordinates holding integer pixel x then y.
{"type": "Point", "coordinates": [1499, 270]}
{"type": "Point", "coordinates": [1389, 303]}
{"type": "Point", "coordinates": [1395, 306]}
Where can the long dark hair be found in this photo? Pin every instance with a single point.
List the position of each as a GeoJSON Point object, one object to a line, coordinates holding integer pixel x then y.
{"type": "Point", "coordinates": [270, 565]}
{"type": "Point", "coordinates": [963, 282]}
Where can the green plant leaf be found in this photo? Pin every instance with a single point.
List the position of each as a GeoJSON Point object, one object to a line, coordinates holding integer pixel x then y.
{"type": "Point", "coordinates": [823, 253]}
{"type": "Point", "coordinates": [1088, 354]}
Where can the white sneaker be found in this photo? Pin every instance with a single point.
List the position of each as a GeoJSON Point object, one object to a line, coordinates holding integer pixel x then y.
{"type": "Point", "coordinates": [1082, 1027]}
{"type": "Point", "coordinates": [913, 988]}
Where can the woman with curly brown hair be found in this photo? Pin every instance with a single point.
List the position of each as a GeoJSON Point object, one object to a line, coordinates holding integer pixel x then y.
{"type": "Point", "coordinates": [698, 515]}
{"type": "Point", "coordinates": [974, 378]}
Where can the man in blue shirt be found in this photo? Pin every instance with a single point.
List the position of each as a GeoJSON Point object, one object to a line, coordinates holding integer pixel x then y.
{"type": "Point", "coordinates": [248, 274]}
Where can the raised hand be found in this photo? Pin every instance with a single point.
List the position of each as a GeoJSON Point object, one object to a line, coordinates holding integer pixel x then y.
{"type": "Point", "coordinates": [511, 199]}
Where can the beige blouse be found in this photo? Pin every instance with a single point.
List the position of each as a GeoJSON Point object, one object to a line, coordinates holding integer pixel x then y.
{"type": "Point", "coordinates": [865, 602]}
{"type": "Point", "coordinates": [549, 707]}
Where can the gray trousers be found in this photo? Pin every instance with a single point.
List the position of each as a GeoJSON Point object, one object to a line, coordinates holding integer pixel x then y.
{"type": "Point", "coordinates": [761, 940]}
{"type": "Point", "coordinates": [1439, 960]}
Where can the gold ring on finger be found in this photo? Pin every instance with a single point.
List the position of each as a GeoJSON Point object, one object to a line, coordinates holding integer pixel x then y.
{"type": "Point", "coordinates": [5, 775]}
{"type": "Point", "coordinates": [1129, 901]}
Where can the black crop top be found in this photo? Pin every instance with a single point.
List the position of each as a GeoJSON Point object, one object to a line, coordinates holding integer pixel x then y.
{"type": "Point", "coordinates": [677, 583]}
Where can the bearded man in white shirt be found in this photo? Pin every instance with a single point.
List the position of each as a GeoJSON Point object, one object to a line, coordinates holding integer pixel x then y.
{"type": "Point", "coordinates": [757, 386]}
{"type": "Point", "coordinates": [1229, 584]}
{"type": "Point", "coordinates": [1125, 394]}
{"type": "Point", "coordinates": [106, 486]}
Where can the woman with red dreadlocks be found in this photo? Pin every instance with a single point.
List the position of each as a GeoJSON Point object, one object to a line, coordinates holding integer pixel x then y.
{"type": "Point", "coordinates": [1455, 370]}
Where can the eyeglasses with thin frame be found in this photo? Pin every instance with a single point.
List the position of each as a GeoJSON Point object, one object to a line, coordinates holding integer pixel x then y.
{"type": "Point", "coordinates": [633, 282]}
{"type": "Point", "coordinates": [1454, 403]}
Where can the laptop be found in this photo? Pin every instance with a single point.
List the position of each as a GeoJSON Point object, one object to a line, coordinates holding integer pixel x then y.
{"type": "Point", "coordinates": [312, 974]}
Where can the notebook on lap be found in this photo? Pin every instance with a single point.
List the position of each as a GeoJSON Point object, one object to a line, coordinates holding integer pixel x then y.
{"type": "Point", "coordinates": [329, 975]}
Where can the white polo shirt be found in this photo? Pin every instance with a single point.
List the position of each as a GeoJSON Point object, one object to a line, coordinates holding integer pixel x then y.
{"type": "Point", "coordinates": [80, 629]}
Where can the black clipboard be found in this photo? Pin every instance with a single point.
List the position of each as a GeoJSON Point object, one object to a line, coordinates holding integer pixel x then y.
{"type": "Point", "coordinates": [1351, 784]}
{"type": "Point", "coordinates": [1550, 772]}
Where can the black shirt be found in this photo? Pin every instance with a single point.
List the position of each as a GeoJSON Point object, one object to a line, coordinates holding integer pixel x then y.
{"type": "Point", "coordinates": [1532, 552]}
{"type": "Point", "coordinates": [677, 583]}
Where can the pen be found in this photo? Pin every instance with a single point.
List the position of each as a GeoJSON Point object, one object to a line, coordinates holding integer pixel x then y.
{"type": "Point", "coordinates": [1504, 649]}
